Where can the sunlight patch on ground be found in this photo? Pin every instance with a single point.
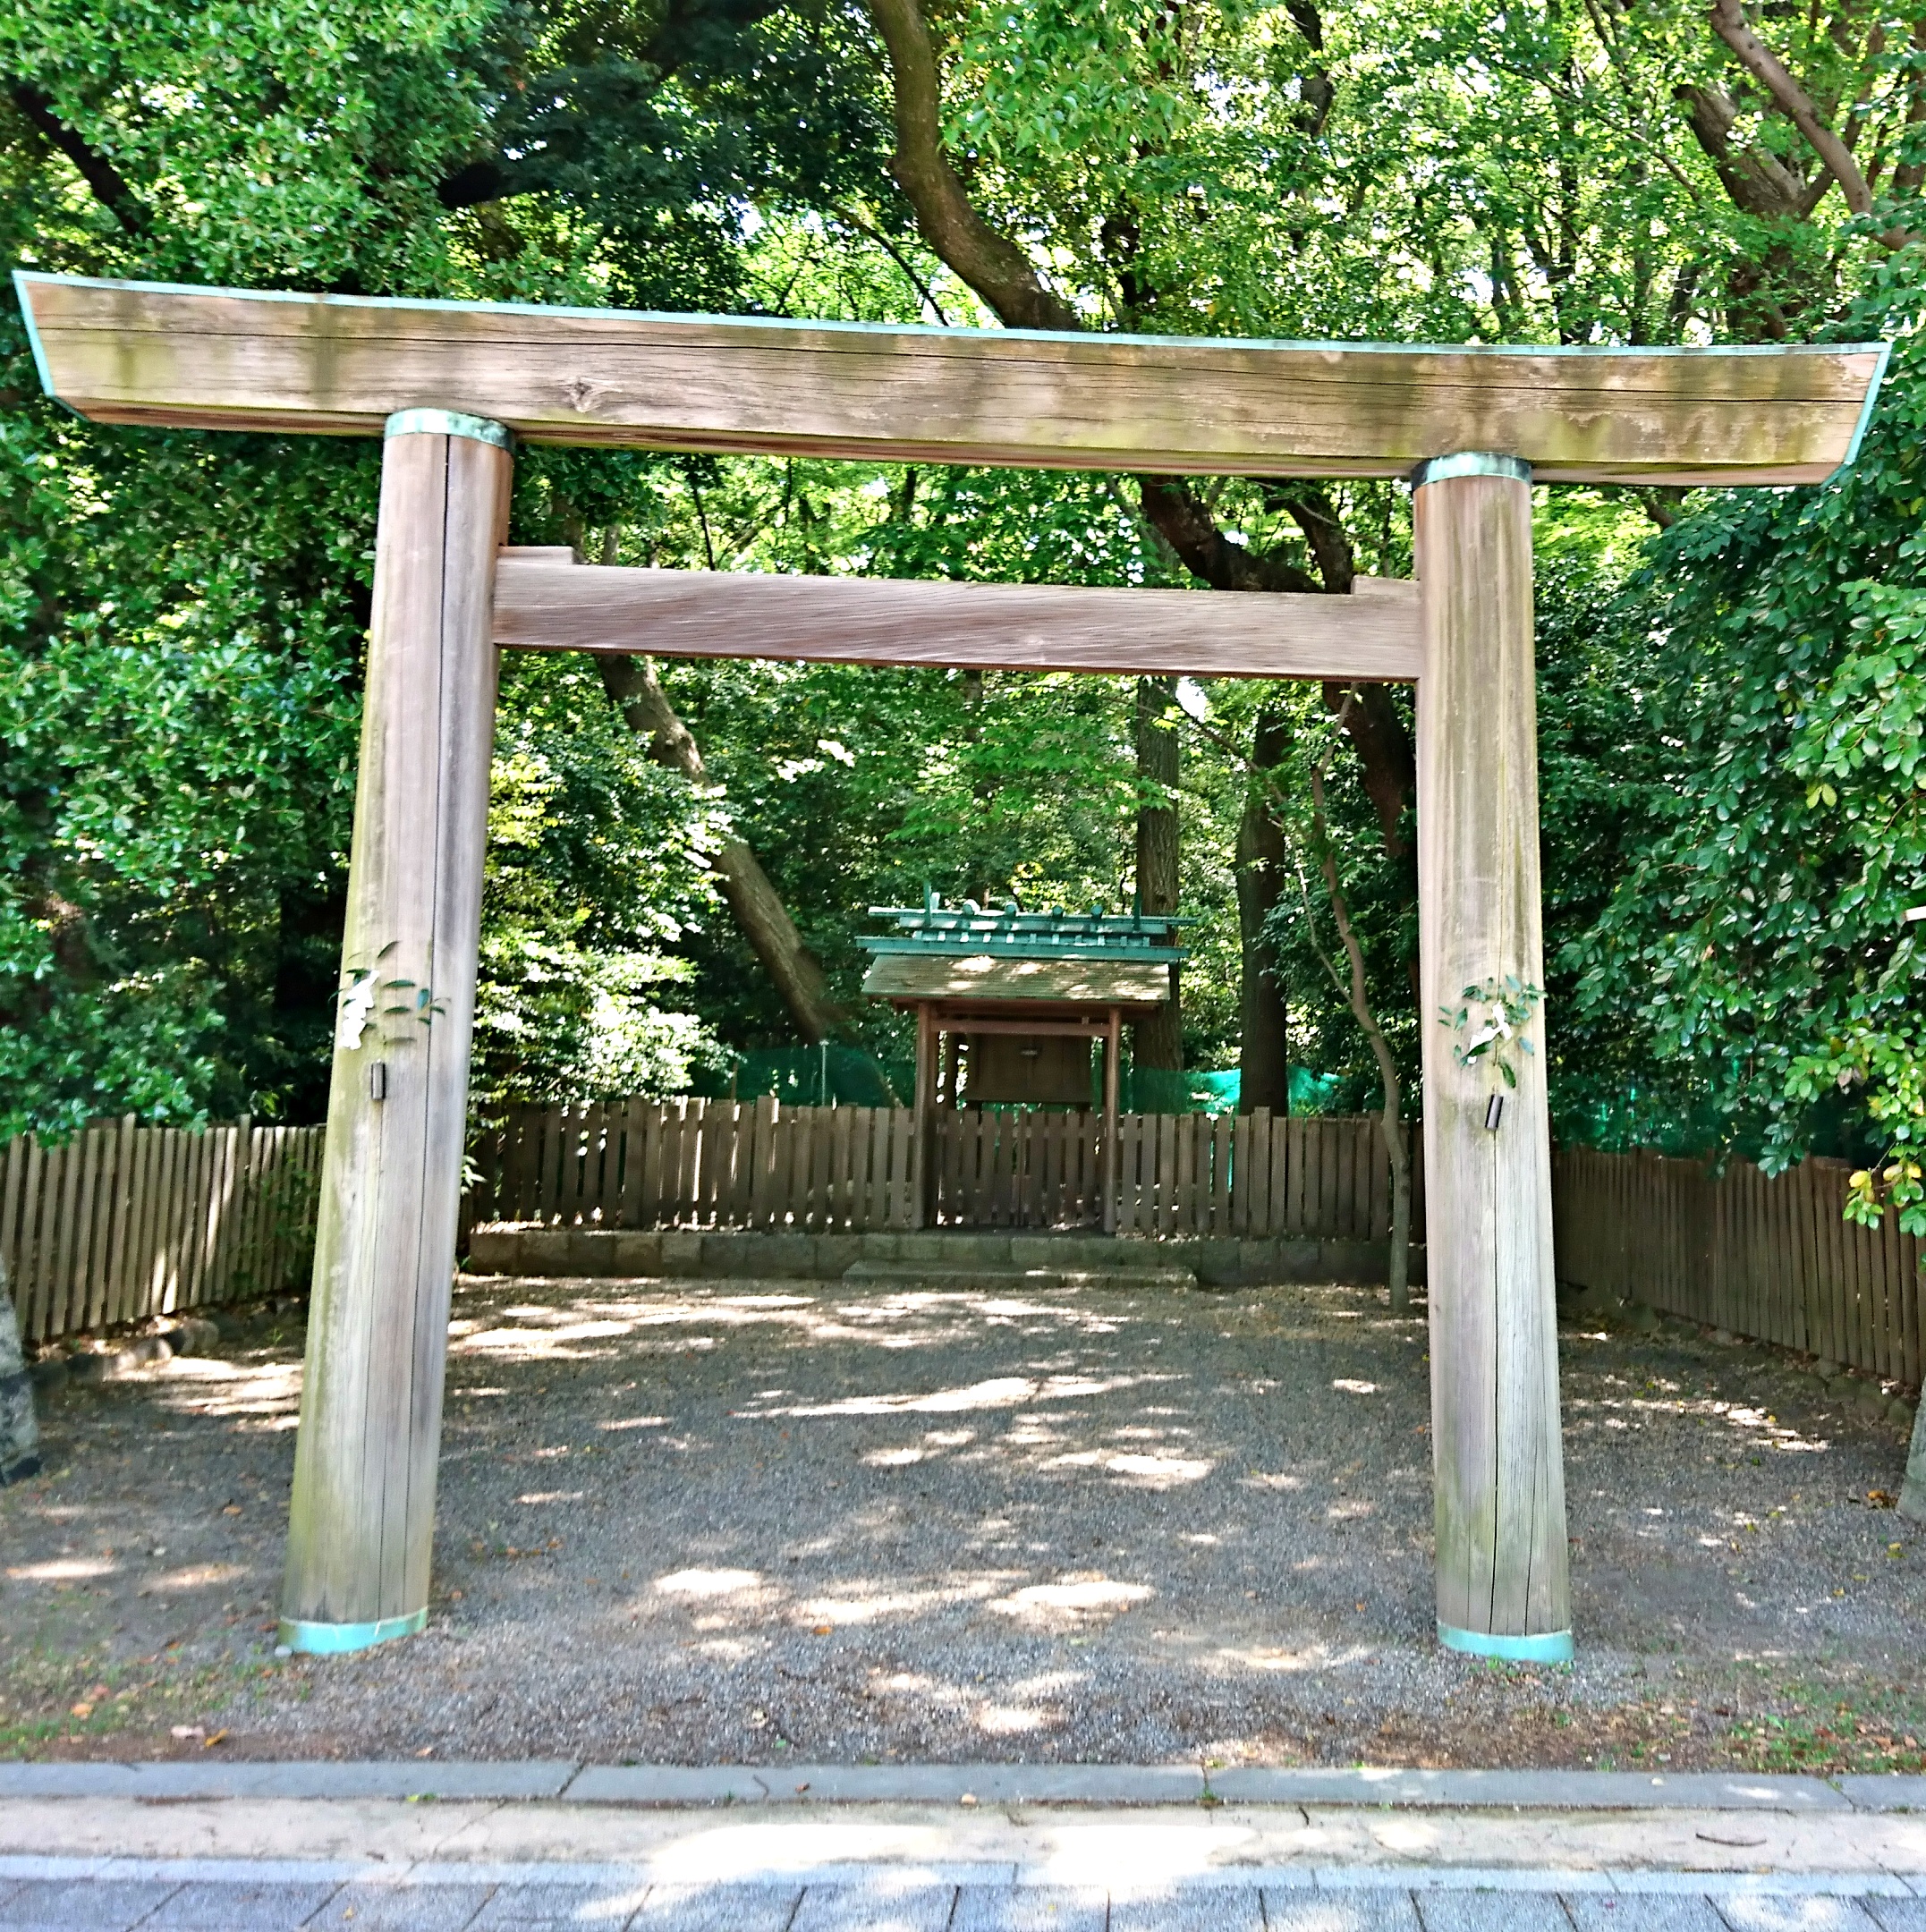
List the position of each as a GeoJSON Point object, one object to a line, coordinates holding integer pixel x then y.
{"type": "Point", "coordinates": [1000, 1392]}
{"type": "Point", "coordinates": [267, 1395]}
{"type": "Point", "coordinates": [1758, 1429]}
{"type": "Point", "coordinates": [64, 1570]}
{"type": "Point", "coordinates": [195, 1576]}
{"type": "Point", "coordinates": [1150, 1471]}
{"type": "Point", "coordinates": [1137, 1860]}
{"type": "Point", "coordinates": [1090, 1596]}
{"type": "Point", "coordinates": [863, 1604]}
{"type": "Point", "coordinates": [1274, 1658]}
{"type": "Point", "coordinates": [1012, 1720]}
{"type": "Point", "coordinates": [703, 1583]}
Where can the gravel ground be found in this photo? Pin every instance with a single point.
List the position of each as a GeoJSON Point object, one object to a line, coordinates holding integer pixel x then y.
{"type": "Point", "coordinates": [746, 1522]}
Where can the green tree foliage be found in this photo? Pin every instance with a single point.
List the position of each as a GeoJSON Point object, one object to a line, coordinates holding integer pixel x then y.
{"type": "Point", "coordinates": [1762, 932]}
{"type": "Point", "coordinates": [594, 873]}
{"type": "Point", "coordinates": [178, 708]}
{"type": "Point", "coordinates": [1730, 714]}
{"type": "Point", "coordinates": [181, 616]}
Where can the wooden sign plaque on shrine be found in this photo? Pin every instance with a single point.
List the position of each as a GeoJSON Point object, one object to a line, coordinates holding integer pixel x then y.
{"type": "Point", "coordinates": [452, 385]}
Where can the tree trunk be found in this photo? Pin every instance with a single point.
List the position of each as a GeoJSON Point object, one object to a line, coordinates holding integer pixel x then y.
{"type": "Point", "coordinates": [1391, 1119]}
{"type": "Point", "coordinates": [1264, 1061]}
{"type": "Point", "coordinates": [755, 904]}
{"type": "Point", "coordinates": [1160, 1036]}
{"type": "Point", "coordinates": [1913, 1491]}
{"type": "Point", "coordinates": [20, 1433]}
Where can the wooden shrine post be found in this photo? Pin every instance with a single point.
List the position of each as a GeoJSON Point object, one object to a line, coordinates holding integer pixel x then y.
{"type": "Point", "coordinates": [1113, 1032]}
{"type": "Point", "coordinates": [926, 1116]}
{"type": "Point", "coordinates": [1503, 1588]}
{"type": "Point", "coordinates": [361, 1522]}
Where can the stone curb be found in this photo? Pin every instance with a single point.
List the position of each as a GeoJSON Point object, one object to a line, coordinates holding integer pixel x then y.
{"type": "Point", "coordinates": [1533, 1791]}
{"type": "Point", "coordinates": [509, 1249]}
{"type": "Point", "coordinates": [987, 1784]}
{"type": "Point", "coordinates": [407, 1778]}
{"type": "Point", "coordinates": [426, 1874]}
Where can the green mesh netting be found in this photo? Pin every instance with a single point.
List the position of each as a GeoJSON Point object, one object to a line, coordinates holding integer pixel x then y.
{"type": "Point", "coordinates": [834, 1075]}
{"type": "Point", "coordinates": [829, 1075]}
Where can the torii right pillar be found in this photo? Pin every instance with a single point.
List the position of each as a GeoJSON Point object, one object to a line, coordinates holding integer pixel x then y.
{"type": "Point", "coordinates": [1503, 1582]}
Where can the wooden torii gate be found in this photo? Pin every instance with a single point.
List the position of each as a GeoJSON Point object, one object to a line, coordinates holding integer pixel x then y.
{"type": "Point", "coordinates": [452, 385]}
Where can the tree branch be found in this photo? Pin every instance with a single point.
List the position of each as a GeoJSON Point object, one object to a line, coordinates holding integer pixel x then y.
{"type": "Point", "coordinates": [1185, 523]}
{"type": "Point", "coordinates": [990, 263]}
{"type": "Point", "coordinates": [761, 916]}
{"type": "Point", "coordinates": [1758, 60]}
{"type": "Point", "coordinates": [1002, 275]}
{"type": "Point", "coordinates": [1355, 993]}
{"type": "Point", "coordinates": [1759, 182]}
{"type": "Point", "coordinates": [902, 261]}
{"type": "Point", "coordinates": [108, 184]}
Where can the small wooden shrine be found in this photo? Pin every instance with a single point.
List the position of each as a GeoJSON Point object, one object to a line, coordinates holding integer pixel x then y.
{"type": "Point", "coordinates": [1008, 1002]}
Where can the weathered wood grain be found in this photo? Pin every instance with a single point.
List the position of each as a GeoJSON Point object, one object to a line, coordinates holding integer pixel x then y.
{"type": "Point", "coordinates": [1500, 1494]}
{"type": "Point", "coordinates": [910, 977]}
{"type": "Point", "coordinates": [544, 602]}
{"type": "Point", "coordinates": [361, 1519]}
{"type": "Point", "coordinates": [219, 358]}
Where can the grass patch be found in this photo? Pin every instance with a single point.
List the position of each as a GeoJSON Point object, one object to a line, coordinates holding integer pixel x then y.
{"type": "Point", "coordinates": [56, 1702]}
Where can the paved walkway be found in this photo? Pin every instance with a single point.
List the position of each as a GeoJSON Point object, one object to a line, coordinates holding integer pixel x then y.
{"type": "Point", "coordinates": [943, 1849]}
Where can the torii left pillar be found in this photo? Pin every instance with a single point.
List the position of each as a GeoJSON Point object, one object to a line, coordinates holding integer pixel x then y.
{"type": "Point", "coordinates": [361, 1525]}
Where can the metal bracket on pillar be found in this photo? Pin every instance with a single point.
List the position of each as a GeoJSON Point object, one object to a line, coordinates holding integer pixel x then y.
{"type": "Point", "coordinates": [447, 422]}
{"type": "Point", "coordinates": [1470, 463]}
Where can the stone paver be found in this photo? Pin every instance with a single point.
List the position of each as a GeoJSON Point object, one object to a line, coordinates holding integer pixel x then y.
{"type": "Point", "coordinates": [1492, 1911]}
{"type": "Point", "coordinates": [403, 1908]}
{"type": "Point", "coordinates": [1201, 1908]}
{"type": "Point", "coordinates": [1362, 1910]}
{"type": "Point", "coordinates": [876, 1907]}
{"type": "Point", "coordinates": [559, 1908]}
{"type": "Point", "coordinates": [1641, 1911]}
{"type": "Point", "coordinates": [203, 1907]}
{"type": "Point", "coordinates": [611, 1899]}
{"type": "Point", "coordinates": [1809, 1914]}
{"type": "Point", "coordinates": [717, 1909]}
{"type": "Point", "coordinates": [1032, 1909]}
{"type": "Point", "coordinates": [83, 1905]}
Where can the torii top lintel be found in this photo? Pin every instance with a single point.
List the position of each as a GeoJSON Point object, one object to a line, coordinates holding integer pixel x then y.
{"type": "Point", "coordinates": [223, 359]}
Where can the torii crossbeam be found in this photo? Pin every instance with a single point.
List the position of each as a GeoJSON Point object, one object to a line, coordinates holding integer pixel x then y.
{"type": "Point", "coordinates": [452, 385]}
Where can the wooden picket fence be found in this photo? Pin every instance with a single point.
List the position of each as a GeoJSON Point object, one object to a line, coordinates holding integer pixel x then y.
{"type": "Point", "coordinates": [1768, 1257]}
{"type": "Point", "coordinates": [698, 1163]}
{"type": "Point", "coordinates": [721, 1164]}
{"type": "Point", "coordinates": [125, 1222]}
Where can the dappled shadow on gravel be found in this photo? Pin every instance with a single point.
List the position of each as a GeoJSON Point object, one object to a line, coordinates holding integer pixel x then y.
{"type": "Point", "coordinates": [735, 1521]}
